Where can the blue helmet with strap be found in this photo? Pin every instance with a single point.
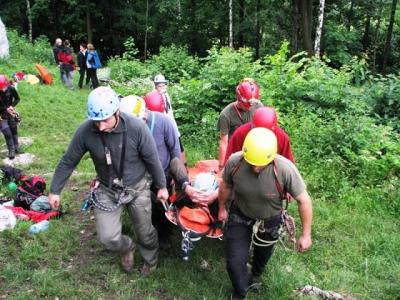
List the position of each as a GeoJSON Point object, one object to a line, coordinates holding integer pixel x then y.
{"type": "Point", "coordinates": [102, 103]}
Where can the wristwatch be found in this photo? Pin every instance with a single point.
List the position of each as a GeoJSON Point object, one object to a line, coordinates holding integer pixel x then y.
{"type": "Point", "coordinates": [184, 185]}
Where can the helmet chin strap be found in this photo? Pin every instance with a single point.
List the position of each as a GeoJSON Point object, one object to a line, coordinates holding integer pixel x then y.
{"type": "Point", "coordinates": [116, 116]}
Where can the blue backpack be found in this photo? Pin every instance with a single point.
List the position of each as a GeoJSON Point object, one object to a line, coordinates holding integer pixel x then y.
{"type": "Point", "coordinates": [94, 60]}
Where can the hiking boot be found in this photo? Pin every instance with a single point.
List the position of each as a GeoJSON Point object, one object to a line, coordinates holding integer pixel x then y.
{"type": "Point", "coordinates": [127, 261]}
{"type": "Point", "coordinates": [11, 154]}
{"type": "Point", "coordinates": [255, 283]}
{"type": "Point", "coordinates": [147, 270]}
{"type": "Point", "coordinates": [19, 151]}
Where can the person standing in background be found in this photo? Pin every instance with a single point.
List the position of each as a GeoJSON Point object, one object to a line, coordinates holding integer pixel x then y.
{"type": "Point", "coordinates": [93, 63]}
{"type": "Point", "coordinates": [82, 56]}
{"type": "Point", "coordinates": [67, 64]}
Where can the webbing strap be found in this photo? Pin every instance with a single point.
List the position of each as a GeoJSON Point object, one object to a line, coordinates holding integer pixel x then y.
{"type": "Point", "coordinates": [238, 113]}
{"type": "Point", "coordinates": [153, 122]}
{"type": "Point", "coordinates": [107, 153]}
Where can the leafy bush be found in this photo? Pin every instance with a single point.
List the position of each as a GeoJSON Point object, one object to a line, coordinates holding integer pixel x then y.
{"type": "Point", "coordinates": [223, 70]}
{"type": "Point", "coordinates": [175, 63]}
{"type": "Point", "coordinates": [124, 70]}
{"type": "Point", "coordinates": [383, 93]}
{"type": "Point", "coordinates": [131, 51]}
{"type": "Point", "coordinates": [287, 81]}
{"type": "Point", "coordinates": [27, 53]}
{"type": "Point", "coordinates": [340, 43]}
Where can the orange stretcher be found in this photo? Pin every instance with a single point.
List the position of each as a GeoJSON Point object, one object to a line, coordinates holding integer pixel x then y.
{"type": "Point", "coordinates": [45, 74]}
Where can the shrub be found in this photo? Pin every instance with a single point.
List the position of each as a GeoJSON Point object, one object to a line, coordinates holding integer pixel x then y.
{"type": "Point", "coordinates": [26, 53]}
{"type": "Point", "coordinates": [383, 93]}
{"type": "Point", "coordinates": [223, 70]}
{"type": "Point", "coordinates": [175, 63]}
{"type": "Point", "coordinates": [124, 70]}
{"type": "Point", "coordinates": [289, 81]}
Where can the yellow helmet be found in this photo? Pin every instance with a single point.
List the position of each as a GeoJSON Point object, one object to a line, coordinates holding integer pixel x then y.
{"type": "Point", "coordinates": [133, 105]}
{"type": "Point", "coordinates": [260, 147]}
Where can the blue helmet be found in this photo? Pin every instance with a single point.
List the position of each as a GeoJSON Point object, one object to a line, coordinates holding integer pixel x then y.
{"type": "Point", "coordinates": [206, 182]}
{"type": "Point", "coordinates": [102, 103]}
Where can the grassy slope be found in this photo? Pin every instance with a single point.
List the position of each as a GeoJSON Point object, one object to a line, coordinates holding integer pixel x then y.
{"type": "Point", "coordinates": [355, 249]}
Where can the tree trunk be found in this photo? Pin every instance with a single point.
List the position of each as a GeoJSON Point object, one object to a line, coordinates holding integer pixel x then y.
{"type": "Point", "coordinates": [230, 25]}
{"type": "Point", "coordinates": [386, 51]}
{"type": "Point", "coordinates": [179, 10]}
{"type": "Point", "coordinates": [295, 22]}
{"type": "Point", "coordinates": [88, 22]}
{"type": "Point", "coordinates": [350, 15]}
{"type": "Point", "coordinates": [306, 16]}
{"type": "Point", "coordinates": [366, 39]}
{"type": "Point", "coordinates": [317, 45]}
{"type": "Point", "coordinates": [241, 19]}
{"type": "Point", "coordinates": [145, 33]}
{"type": "Point", "coordinates": [258, 29]}
{"type": "Point", "coordinates": [28, 12]}
{"type": "Point", "coordinates": [374, 45]}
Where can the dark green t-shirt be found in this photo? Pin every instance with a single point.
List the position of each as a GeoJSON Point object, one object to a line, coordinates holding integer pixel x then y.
{"type": "Point", "coordinates": [256, 195]}
{"type": "Point", "coordinates": [229, 118]}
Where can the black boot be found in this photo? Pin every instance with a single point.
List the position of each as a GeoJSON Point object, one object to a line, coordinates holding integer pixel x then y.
{"type": "Point", "coordinates": [16, 145]}
{"type": "Point", "coordinates": [11, 154]}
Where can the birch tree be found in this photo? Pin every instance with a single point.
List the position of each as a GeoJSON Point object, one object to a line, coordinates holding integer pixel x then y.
{"type": "Point", "coordinates": [317, 45]}
{"type": "Point", "coordinates": [230, 25]}
{"type": "Point", "coordinates": [29, 13]}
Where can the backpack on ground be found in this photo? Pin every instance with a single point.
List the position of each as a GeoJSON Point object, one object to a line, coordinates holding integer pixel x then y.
{"type": "Point", "coordinates": [29, 189]}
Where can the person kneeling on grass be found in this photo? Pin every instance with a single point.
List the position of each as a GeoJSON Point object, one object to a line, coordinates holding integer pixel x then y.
{"type": "Point", "coordinates": [257, 178]}
{"type": "Point", "coordinates": [124, 155]}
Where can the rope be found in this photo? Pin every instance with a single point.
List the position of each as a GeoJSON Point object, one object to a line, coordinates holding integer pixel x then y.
{"type": "Point", "coordinates": [259, 227]}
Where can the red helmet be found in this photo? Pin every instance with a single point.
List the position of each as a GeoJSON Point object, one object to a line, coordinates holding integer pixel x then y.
{"type": "Point", "coordinates": [3, 81]}
{"type": "Point", "coordinates": [265, 117]}
{"type": "Point", "coordinates": [154, 101]}
{"type": "Point", "coordinates": [247, 90]}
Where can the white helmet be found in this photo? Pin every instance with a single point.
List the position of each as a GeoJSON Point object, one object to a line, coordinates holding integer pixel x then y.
{"type": "Point", "coordinates": [133, 105]}
{"type": "Point", "coordinates": [160, 79]}
{"type": "Point", "coordinates": [206, 182]}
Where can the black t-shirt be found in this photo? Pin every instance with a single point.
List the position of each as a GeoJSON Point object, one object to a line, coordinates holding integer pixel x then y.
{"type": "Point", "coordinates": [8, 98]}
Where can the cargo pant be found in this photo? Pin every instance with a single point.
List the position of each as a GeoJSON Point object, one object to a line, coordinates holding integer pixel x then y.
{"type": "Point", "coordinates": [238, 237]}
{"type": "Point", "coordinates": [9, 129]}
{"type": "Point", "coordinates": [109, 226]}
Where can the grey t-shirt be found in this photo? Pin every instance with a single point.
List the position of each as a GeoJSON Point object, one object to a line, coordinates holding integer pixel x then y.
{"type": "Point", "coordinates": [231, 117]}
{"type": "Point", "coordinates": [256, 195]}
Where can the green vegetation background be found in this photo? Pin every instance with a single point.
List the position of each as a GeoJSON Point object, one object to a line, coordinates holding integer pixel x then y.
{"type": "Point", "coordinates": [343, 126]}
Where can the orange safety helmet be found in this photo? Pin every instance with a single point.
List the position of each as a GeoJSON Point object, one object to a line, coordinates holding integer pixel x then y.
{"type": "Point", "coordinates": [154, 101]}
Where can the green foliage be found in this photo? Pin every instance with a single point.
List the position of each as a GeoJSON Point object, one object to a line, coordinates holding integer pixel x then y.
{"type": "Point", "coordinates": [124, 70]}
{"type": "Point", "coordinates": [349, 162]}
{"type": "Point", "coordinates": [223, 69]}
{"type": "Point", "coordinates": [339, 42]}
{"type": "Point", "coordinates": [131, 51]}
{"type": "Point", "coordinates": [175, 63]}
{"type": "Point", "coordinates": [383, 93]}
{"type": "Point", "coordinates": [21, 49]}
{"type": "Point", "coordinates": [286, 81]}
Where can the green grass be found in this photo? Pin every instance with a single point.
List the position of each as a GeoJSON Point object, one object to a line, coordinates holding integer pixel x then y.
{"type": "Point", "coordinates": [355, 251]}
